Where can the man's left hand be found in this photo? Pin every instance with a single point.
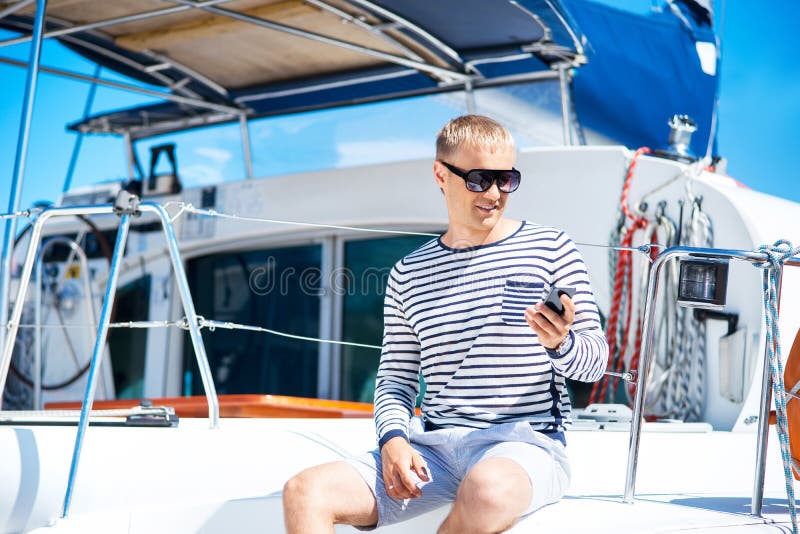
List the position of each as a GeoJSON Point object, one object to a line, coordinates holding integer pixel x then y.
{"type": "Point", "coordinates": [551, 327]}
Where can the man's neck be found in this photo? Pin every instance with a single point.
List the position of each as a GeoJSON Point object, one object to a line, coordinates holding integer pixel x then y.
{"type": "Point", "coordinates": [465, 237]}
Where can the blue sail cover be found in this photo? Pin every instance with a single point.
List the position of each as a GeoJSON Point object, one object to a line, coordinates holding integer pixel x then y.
{"type": "Point", "coordinates": [640, 70]}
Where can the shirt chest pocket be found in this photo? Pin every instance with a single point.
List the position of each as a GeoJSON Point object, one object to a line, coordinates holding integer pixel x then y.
{"type": "Point", "coordinates": [517, 296]}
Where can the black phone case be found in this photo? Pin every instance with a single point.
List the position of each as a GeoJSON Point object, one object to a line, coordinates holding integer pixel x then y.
{"type": "Point", "coordinates": [553, 299]}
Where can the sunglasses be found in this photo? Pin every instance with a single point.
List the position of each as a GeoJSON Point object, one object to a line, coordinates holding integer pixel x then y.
{"type": "Point", "coordinates": [479, 180]}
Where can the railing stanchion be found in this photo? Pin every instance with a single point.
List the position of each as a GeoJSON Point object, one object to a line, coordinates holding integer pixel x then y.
{"type": "Point", "coordinates": [99, 348]}
{"type": "Point", "coordinates": [189, 311]}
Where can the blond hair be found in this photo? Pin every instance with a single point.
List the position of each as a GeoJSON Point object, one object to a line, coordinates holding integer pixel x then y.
{"type": "Point", "coordinates": [472, 131]}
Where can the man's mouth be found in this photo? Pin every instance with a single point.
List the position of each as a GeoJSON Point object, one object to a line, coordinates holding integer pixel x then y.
{"type": "Point", "coordinates": [486, 208]}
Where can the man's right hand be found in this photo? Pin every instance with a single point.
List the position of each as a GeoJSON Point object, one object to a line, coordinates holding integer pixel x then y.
{"type": "Point", "coordinates": [398, 459]}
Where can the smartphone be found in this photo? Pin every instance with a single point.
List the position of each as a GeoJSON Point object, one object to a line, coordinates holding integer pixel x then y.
{"type": "Point", "coordinates": [553, 299]}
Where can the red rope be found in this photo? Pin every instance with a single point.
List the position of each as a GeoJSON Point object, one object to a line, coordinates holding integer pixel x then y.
{"type": "Point", "coordinates": [638, 341]}
{"type": "Point", "coordinates": [623, 273]}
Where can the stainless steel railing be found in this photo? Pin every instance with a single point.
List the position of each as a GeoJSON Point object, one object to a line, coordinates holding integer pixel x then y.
{"type": "Point", "coordinates": [125, 215]}
{"type": "Point", "coordinates": [752, 257]}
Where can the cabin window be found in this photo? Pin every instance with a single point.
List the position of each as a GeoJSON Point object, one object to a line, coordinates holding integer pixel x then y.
{"type": "Point", "coordinates": [128, 346]}
{"type": "Point", "coordinates": [367, 264]}
{"type": "Point", "coordinates": [278, 289]}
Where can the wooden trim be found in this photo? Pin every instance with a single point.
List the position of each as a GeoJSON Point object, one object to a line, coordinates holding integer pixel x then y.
{"type": "Point", "coordinates": [259, 406]}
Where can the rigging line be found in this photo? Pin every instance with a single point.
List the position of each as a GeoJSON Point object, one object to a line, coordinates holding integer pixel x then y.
{"type": "Point", "coordinates": [52, 325]}
{"type": "Point", "coordinates": [692, 171]}
{"type": "Point", "coordinates": [777, 254]}
{"type": "Point", "coordinates": [189, 208]}
{"type": "Point", "coordinates": [211, 325]}
{"type": "Point", "coordinates": [627, 376]}
{"type": "Point", "coordinates": [644, 249]}
{"type": "Point", "coordinates": [214, 213]}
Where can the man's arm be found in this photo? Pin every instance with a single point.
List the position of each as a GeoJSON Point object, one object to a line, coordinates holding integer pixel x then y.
{"type": "Point", "coordinates": [397, 383]}
{"type": "Point", "coordinates": [396, 389]}
{"type": "Point", "coordinates": [584, 349]}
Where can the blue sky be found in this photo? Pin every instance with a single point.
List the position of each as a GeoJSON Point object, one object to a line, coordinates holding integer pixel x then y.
{"type": "Point", "coordinates": [758, 117]}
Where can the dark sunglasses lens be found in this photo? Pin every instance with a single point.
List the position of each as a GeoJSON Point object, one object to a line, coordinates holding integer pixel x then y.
{"type": "Point", "coordinates": [478, 181]}
{"type": "Point", "coordinates": [508, 181]}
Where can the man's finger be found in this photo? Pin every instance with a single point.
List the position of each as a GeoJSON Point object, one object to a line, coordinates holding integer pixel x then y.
{"type": "Point", "coordinates": [419, 467]}
{"type": "Point", "coordinates": [569, 309]}
{"type": "Point", "coordinates": [400, 491]}
{"type": "Point", "coordinates": [388, 482]}
{"type": "Point", "coordinates": [540, 323]}
{"type": "Point", "coordinates": [556, 319]}
{"type": "Point", "coordinates": [408, 483]}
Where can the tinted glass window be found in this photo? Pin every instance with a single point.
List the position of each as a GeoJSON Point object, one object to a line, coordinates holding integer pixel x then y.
{"type": "Point", "coordinates": [367, 266]}
{"type": "Point", "coordinates": [128, 345]}
{"type": "Point", "coordinates": [277, 289]}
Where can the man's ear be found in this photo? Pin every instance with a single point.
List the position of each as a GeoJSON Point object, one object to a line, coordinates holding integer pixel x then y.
{"type": "Point", "coordinates": [439, 173]}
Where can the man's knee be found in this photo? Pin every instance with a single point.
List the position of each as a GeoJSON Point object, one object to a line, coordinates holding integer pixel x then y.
{"type": "Point", "coordinates": [305, 489]}
{"type": "Point", "coordinates": [492, 488]}
{"type": "Point", "coordinates": [332, 493]}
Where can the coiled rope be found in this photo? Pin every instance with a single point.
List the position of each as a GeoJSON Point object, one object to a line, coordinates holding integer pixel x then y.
{"type": "Point", "coordinates": [619, 319]}
{"type": "Point", "coordinates": [777, 254]}
{"type": "Point", "coordinates": [684, 387]}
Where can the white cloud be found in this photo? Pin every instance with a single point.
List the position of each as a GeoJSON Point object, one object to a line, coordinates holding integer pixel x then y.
{"type": "Point", "coordinates": [217, 155]}
{"type": "Point", "coordinates": [198, 174]}
{"type": "Point", "coordinates": [366, 152]}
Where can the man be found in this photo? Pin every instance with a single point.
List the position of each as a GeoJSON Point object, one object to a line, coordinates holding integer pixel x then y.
{"type": "Point", "coordinates": [465, 310]}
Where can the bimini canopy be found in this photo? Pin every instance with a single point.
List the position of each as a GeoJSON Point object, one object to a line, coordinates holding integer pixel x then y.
{"type": "Point", "coordinates": [224, 59]}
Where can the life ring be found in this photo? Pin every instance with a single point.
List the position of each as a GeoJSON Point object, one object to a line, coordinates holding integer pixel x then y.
{"type": "Point", "coordinates": [791, 376]}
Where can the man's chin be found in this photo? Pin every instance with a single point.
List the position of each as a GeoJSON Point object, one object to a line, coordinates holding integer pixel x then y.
{"type": "Point", "coordinates": [489, 221]}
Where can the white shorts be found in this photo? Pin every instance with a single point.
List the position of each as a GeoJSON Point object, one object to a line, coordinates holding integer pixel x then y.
{"type": "Point", "coordinates": [450, 453]}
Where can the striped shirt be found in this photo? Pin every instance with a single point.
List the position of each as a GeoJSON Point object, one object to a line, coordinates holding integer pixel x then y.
{"type": "Point", "coordinates": [456, 316]}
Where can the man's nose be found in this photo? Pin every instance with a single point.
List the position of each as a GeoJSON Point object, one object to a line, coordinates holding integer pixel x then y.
{"type": "Point", "coordinates": [493, 192]}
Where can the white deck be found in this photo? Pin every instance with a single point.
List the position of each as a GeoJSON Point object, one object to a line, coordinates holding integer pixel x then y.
{"type": "Point", "coordinates": [193, 479]}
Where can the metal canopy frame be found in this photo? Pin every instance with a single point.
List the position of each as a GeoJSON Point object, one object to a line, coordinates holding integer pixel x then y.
{"type": "Point", "coordinates": [439, 73]}
{"type": "Point", "coordinates": [195, 102]}
{"type": "Point", "coordinates": [15, 7]}
{"type": "Point", "coordinates": [162, 127]}
{"type": "Point", "coordinates": [153, 70]}
{"type": "Point", "coordinates": [217, 101]}
{"type": "Point", "coordinates": [180, 79]}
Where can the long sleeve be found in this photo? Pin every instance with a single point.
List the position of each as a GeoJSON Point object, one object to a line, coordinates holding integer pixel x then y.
{"type": "Point", "coordinates": [397, 383]}
{"type": "Point", "coordinates": [587, 358]}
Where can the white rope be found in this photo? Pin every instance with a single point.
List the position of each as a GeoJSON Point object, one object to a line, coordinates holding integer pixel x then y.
{"type": "Point", "coordinates": [185, 207]}
{"type": "Point", "coordinates": [684, 384]}
{"type": "Point", "coordinates": [212, 325]}
{"type": "Point", "coordinates": [189, 208]}
{"type": "Point", "coordinates": [776, 255]}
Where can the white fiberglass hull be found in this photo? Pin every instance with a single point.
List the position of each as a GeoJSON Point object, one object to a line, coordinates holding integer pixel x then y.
{"type": "Point", "coordinates": [195, 479]}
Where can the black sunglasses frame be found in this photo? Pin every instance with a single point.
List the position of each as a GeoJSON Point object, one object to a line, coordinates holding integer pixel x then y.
{"type": "Point", "coordinates": [496, 176]}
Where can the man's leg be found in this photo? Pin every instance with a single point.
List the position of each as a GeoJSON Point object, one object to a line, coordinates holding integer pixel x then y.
{"type": "Point", "coordinates": [319, 497]}
{"type": "Point", "coordinates": [493, 495]}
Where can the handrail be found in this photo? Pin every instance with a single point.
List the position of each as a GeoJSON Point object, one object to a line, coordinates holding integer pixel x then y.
{"type": "Point", "coordinates": [752, 257]}
{"type": "Point", "coordinates": [105, 316]}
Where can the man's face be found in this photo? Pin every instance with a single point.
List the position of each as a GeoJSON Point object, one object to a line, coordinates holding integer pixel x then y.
{"type": "Point", "coordinates": [476, 211]}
